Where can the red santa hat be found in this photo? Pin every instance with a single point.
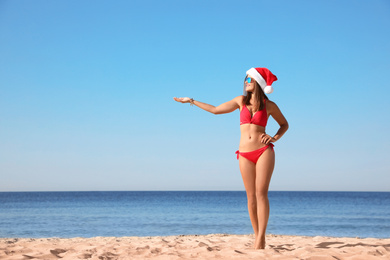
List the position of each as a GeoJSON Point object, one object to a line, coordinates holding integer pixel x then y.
{"type": "Point", "coordinates": [264, 77]}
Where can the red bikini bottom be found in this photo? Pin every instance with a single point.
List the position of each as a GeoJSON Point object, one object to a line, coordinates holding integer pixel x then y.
{"type": "Point", "coordinates": [254, 155]}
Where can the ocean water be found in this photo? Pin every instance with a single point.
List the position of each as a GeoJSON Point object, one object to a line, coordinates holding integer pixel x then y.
{"type": "Point", "coordinates": [90, 214]}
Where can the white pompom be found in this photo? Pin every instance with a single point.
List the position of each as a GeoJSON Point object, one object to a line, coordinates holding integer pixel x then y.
{"type": "Point", "coordinates": [268, 89]}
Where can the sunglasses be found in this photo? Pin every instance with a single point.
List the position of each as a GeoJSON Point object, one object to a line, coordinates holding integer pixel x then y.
{"type": "Point", "coordinates": [249, 80]}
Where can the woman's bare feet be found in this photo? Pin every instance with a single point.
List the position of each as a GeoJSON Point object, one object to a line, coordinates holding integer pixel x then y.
{"type": "Point", "coordinates": [260, 242]}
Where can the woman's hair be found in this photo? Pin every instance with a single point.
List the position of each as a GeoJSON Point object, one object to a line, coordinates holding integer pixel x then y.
{"type": "Point", "coordinates": [259, 96]}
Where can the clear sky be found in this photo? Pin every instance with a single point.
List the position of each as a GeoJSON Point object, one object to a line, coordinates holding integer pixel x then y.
{"type": "Point", "coordinates": [86, 92]}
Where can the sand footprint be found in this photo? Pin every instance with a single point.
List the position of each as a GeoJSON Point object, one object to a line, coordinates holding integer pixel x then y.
{"type": "Point", "coordinates": [209, 248]}
{"type": "Point", "coordinates": [57, 252]}
{"type": "Point", "coordinates": [327, 244]}
{"type": "Point", "coordinates": [107, 256]}
{"type": "Point", "coordinates": [156, 250]}
{"type": "Point", "coordinates": [142, 250]}
{"type": "Point", "coordinates": [278, 248]}
{"type": "Point", "coordinates": [85, 256]}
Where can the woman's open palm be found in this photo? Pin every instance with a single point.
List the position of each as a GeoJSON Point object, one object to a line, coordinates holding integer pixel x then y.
{"type": "Point", "coordinates": [182, 100]}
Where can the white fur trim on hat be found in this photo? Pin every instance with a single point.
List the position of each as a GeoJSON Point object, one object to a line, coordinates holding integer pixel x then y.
{"type": "Point", "coordinates": [259, 79]}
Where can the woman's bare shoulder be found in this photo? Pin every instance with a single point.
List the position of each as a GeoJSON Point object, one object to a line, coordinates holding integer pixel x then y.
{"type": "Point", "coordinates": [271, 105]}
{"type": "Point", "coordinates": [239, 98]}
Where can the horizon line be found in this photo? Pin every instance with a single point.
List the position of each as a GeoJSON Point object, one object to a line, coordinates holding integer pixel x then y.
{"type": "Point", "coordinates": [187, 191]}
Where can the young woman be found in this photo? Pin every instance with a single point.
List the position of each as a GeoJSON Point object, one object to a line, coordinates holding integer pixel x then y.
{"type": "Point", "coordinates": [256, 153]}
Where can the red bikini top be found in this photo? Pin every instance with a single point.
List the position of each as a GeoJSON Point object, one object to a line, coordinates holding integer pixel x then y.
{"type": "Point", "coordinates": [259, 118]}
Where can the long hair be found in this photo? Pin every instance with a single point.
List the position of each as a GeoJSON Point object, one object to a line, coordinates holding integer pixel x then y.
{"type": "Point", "coordinates": [258, 95]}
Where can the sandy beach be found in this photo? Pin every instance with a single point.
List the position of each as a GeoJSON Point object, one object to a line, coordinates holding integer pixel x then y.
{"type": "Point", "coordinates": [216, 246]}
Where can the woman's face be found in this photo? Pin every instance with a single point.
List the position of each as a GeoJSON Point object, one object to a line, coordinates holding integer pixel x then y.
{"type": "Point", "coordinates": [249, 84]}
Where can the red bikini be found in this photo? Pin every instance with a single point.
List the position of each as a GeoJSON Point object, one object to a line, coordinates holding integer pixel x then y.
{"type": "Point", "coordinates": [254, 155]}
{"type": "Point", "coordinates": [259, 118]}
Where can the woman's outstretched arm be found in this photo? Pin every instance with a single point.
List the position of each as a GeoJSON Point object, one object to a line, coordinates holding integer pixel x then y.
{"type": "Point", "coordinates": [224, 108]}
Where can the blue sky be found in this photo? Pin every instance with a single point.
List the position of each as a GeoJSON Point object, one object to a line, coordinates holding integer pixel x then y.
{"type": "Point", "coordinates": [86, 92]}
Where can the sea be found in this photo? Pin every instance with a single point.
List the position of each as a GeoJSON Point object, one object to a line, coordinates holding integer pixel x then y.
{"type": "Point", "coordinates": [166, 213]}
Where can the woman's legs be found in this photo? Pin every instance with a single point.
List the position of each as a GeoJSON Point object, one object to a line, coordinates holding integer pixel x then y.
{"type": "Point", "coordinates": [248, 173]}
{"type": "Point", "coordinates": [256, 181]}
{"type": "Point", "coordinates": [264, 169]}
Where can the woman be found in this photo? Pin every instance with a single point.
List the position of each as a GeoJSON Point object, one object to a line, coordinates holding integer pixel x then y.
{"type": "Point", "coordinates": [256, 154]}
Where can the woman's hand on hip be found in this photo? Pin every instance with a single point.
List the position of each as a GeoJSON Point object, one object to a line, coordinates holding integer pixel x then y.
{"type": "Point", "coordinates": [266, 139]}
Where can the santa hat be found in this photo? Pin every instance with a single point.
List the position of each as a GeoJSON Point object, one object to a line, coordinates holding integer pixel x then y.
{"type": "Point", "coordinates": [264, 77]}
